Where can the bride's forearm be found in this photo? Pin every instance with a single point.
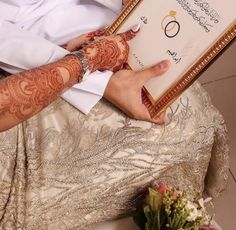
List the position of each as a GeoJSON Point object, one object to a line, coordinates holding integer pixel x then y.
{"type": "Point", "coordinates": [24, 94]}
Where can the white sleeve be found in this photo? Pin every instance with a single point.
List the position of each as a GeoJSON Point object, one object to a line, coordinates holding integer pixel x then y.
{"type": "Point", "coordinates": [21, 50]}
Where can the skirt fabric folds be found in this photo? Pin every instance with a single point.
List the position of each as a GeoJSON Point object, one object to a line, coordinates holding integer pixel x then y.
{"type": "Point", "coordinates": [65, 170]}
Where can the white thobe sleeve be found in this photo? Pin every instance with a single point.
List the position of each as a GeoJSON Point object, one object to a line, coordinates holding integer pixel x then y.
{"type": "Point", "coordinates": [21, 50]}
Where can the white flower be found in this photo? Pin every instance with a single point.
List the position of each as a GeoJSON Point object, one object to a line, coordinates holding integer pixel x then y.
{"type": "Point", "coordinates": [202, 202]}
{"type": "Point", "coordinates": [194, 212]}
{"type": "Point", "coordinates": [203, 210]}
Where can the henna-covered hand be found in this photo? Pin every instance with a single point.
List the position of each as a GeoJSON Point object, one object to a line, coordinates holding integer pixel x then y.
{"type": "Point", "coordinates": [103, 52]}
{"type": "Point", "coordinates": [109, 53]}
{"type": "Point", "coordinates": [24, 94]}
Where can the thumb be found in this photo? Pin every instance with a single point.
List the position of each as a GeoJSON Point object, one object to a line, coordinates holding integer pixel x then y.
{"type": "Point", "coordinates": [156, 70]}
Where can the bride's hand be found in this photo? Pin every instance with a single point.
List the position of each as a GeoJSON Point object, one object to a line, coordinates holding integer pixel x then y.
{"type": "Point", "coordinates": [103, 52]}
{"type": "Point", "coordinates": [108, 52]}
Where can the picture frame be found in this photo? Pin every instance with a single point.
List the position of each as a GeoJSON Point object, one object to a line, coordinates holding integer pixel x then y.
{"type": "Point", "coordinates": [155, 107]}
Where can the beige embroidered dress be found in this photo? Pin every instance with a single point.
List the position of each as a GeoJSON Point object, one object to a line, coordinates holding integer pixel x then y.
{"type": "Point", "coordinates": [65, 170]}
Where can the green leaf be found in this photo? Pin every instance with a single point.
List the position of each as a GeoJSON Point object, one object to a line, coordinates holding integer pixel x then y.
{"type": "Point", "coordinates": [154, 199]}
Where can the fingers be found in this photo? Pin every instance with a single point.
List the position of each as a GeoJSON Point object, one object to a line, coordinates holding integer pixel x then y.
{"type": "Point", "coordinates": [160, 119]}
{"type": "Point", "coordinates": [142, 113]}
{"type": "Point", "coordinates": [130, 34]}
{"type": "Point", "coordinates": [98, 33]}
{"type": "Point", "coordinates": [143, 76]}
{"type": "Point", "coordinates": [87, 38]}
{"type": "Point", "coordinates": [75, 43]}
{"type": "Point", "coordinates": [82, 40]}
{"type": "Point", "coordinates": [153, 71]}
{"type": "Point", "coordinates": [64, 46]}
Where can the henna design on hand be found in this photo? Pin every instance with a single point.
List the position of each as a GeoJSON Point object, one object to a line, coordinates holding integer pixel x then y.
{"type": "Point", "coordinates": [108, 53]}
{"type": "Point", "coordinates": [28, 92]}
{"type": "Point", "coordinates": [102, 52]}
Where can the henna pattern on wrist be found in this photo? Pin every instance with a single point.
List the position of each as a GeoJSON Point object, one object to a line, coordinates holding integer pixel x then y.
{"type": "Point", "coordinates": [28, 92]}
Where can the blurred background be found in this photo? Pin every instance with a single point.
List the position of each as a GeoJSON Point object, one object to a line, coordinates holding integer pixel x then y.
{"type": "Point", "coordinates": [220, 82]}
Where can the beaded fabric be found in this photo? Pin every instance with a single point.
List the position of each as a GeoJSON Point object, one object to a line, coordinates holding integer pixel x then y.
{"type": "Point", "coordinates": [65, 170]}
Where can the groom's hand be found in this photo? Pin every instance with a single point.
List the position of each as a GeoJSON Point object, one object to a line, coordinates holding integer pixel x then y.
{"type": "Point", "coordinates": [125, 87]}
{"type": "Point", "coordinates": [84, 39]}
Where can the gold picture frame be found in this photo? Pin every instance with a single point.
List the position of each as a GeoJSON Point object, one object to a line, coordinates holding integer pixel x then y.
{"type": "Point", "coordinates": [156, 107]}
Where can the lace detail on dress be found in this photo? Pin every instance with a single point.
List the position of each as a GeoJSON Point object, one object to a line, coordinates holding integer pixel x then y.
{"type": "Point", "coordinates": [64, 170]}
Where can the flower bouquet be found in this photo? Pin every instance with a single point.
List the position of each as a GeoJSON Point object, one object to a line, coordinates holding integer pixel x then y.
{"type": "Point", "coordinates": [166, 208]}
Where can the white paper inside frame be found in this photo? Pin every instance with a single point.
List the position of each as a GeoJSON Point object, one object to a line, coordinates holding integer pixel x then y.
{"type": "Point", "coordinates": [178, 30]}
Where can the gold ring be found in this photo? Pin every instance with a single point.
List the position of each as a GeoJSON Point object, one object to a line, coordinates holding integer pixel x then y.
{"type": "Point", "coordinates": [171, 15]}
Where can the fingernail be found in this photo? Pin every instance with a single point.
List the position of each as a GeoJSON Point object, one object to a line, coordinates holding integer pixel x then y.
{"type": "Point", "coordinates": [164, 64]}
{"type": "Point", "coordinates": [136, 28]}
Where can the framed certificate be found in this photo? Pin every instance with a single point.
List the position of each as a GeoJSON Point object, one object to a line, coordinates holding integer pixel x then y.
{"type": "Point", "coordinates": [190, 33]}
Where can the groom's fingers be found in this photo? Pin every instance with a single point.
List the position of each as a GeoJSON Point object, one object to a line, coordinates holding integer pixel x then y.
{"type": "Point", "coordinates": [75, 43]}
{"type": "Point", "coordinates": [142, 113]}
{"type": "Point", "coordinates": [82, 40]}
{"type": "Point", "coordinates": [160, 119]}
{"type": "Point", "coordinates": [154, 71]}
